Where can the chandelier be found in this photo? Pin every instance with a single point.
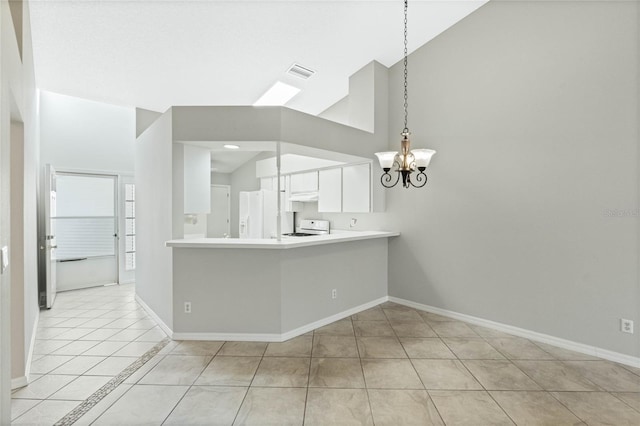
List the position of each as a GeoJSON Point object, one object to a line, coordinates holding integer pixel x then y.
{"type": "Point", "coordinates": [406, 161]}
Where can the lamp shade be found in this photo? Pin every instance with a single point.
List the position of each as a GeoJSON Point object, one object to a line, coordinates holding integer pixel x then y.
{"type": "Point", "coordinates": [423, 156]}
{"type": "Point", "coordinates": [386, 158]}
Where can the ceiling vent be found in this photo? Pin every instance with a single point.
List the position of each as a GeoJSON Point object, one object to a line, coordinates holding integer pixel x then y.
{"type": "Point", "coordinates": [300, 71]}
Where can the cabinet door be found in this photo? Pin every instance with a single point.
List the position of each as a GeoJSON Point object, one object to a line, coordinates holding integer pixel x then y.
{"type": "Point", "coordinates": [330, 190]}
{"type": "Point", "coordinates": [304, 182]}
{"type": "Point", "coordinates": [266, 183]}
{"type": "Point", "coordinates": [356, 188]}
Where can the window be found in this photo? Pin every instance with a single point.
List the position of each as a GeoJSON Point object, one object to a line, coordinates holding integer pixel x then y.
{"type": "Point", "coordinates": [130, 226]}
{"type": "Point", "coordinates": [85, 217]}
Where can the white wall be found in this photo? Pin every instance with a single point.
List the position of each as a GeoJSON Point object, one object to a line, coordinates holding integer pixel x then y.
{"type": "Point", "coordinates": [154, 195]}
{"type": "Point", "coordinates": [533, 109]}
{"type": "Point", "coordinates": [18, 110]}
{"type": "Point", "coordinates": [86, 135]}
{"type": "Point", "coordinates": [338, 112]}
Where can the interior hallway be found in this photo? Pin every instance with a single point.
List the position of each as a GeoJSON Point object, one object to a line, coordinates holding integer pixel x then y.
{"type": "Point", "coordinates": [390, 365]}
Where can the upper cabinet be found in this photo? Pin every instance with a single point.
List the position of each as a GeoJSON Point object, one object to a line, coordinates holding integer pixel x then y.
{"type": "Point", "coordinates": [339, 183]}
{"type": "Point", "coordinates": [197, 179]}
{"type": "Point", "coordinates": [356, 188]}
{"type": "Point", "coordinates": [345, 189]}
{"type": "Point", "coordinates": [304, 182]}
{"type": "Point", "coordinates": [330, 190]}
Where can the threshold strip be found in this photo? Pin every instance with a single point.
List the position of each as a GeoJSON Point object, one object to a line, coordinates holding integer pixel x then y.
{"type": "Point", "coordinates": [86, 405]}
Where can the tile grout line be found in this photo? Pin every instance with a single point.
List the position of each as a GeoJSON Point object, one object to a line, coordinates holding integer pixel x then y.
{"type": "Point", "coordinates": [565, 405]}
{"type": "Point", "coordinates": [252, 379]}
{"type": "Point", "coordinates": [614, 394]}
{"type": "Point", "coordinates": [86, 405]}
{"type": "Point", "coordinates": [414, 367]}
{"type": "Point", "coordinates": [188, 389]}
{"type": "Point", "coordinates": [364, 379]}
{"type": "Point", "coordinates": [306, 395]}
{"type": "Point", "coordinates": [411, 360]}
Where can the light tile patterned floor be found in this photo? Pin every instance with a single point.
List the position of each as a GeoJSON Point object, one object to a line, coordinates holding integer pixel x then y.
{"type": "Point", "coordinates": [390, 365]}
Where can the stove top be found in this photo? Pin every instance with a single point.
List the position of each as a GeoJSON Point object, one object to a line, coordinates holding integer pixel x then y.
{"type": "Point", "coordinates": [308, 228]}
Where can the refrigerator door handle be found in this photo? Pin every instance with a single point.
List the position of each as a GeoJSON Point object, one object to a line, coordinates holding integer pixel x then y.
{"type": "Point", "coordinates": [244, 225]}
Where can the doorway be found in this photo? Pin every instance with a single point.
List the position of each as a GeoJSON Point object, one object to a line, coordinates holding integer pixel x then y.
{"type": "Point", "coordinates": [86, 222]}
{"type": "Point", "coordinates": [218, 221]}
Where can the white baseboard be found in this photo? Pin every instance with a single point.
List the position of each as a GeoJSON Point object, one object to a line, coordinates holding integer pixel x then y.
{"type": "Point", "coordinates": [233, 337]}
{"type": "Point", "coordinates": [22, 381]}
{"type": "Point", "coordinates": [528, 334]}
{"type": "Point", "coordinates": [32, 345]}
{"type": "Point", "coordinates": [328, 320]}
{"type": "Point", "coordinates": [19, 382]}
{"type": "Point", "coordinates": [155, 317]}
{"type": "Point", "coordinates": [272, 337]}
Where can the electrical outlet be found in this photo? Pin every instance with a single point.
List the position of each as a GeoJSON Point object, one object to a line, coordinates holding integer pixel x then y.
{"type": "Point", "coordinates": [626, 326]}
{"type": "Point", "coordinates": [334, 293]}
{"type": "Point", "coordinates": [187, 307]}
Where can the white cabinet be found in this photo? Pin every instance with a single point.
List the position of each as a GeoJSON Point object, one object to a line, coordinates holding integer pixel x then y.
{"type": "Point", "coordinates": [304, 182]}
{"type": "Point", "coordinates": [271, 183]}
{"type": "Point", "coordinates": [197, 180]}
{"type": "Point", "coordinates": [356, 188]}
{"type": "Point", "coordinates": [330, 190]}
{"type": "Point", "coordinates": [266, 183]}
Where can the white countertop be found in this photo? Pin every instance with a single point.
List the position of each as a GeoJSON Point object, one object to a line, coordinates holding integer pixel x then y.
{"type": "Point", "coordinates": [337, 236]}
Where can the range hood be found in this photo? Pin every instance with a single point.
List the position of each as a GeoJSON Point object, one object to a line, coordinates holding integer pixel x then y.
{"type": "Point", "coordinates": [304, 197]}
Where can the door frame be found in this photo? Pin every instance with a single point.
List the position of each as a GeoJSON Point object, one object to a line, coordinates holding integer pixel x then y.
{"type": "Point", "coordinates": [124, 277]}
{"type": "Point", "coordinates": [117, 177]}
{"type": "Point", "coordinates": [228, 188]}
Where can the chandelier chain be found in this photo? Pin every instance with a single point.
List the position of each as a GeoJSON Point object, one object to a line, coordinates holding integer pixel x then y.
{"type": "Point", "coordinates": [406, 96]}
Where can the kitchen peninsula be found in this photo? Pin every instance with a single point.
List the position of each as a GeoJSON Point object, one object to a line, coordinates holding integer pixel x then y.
{"type": "Point", "coordinates": [271, 290]}
{"type": "Point", "coordinates": [259, 290]}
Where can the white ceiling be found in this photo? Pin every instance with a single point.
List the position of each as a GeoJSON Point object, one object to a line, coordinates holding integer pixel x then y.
{"type": "Point", "coordinates": [157, 53]}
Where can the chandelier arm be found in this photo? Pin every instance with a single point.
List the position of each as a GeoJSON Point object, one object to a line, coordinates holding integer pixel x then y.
{"type": "Point", "coordinates": [421, 179]}
{"type": "Point", "coordinates": [386, 178]}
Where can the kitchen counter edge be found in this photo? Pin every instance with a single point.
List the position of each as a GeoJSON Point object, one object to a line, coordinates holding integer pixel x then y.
{"type": "Point", "coordinates": [286, 243]}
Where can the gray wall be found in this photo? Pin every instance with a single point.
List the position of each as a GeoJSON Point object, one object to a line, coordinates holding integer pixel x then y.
{"type": "Point", "coordinates": [220, 178]}
{"type": "Point", "coordinates": [18, 135]}
{"type": "Point", "coordinates": [533, 109]}
{"type": "Point", "coordinates": [154, 193]}
{"type": "Point", "coordinates": [271, 291]}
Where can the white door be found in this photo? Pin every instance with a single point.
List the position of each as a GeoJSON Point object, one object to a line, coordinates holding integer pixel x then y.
{"type": "Point", "coordinates": [218, 224]}
{"type": "Point", "coordinates": [49, 245]}
{"type": "Point", "coordinates": [87, 230]}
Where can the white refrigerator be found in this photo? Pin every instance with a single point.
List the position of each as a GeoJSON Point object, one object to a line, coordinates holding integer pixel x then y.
{"type": "Point", "coordinates": [258, 215]}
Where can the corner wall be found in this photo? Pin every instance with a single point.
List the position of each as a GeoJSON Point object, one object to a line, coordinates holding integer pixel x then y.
{"type": "Point", "coordinates": [528, 217]}
{"type": "Point", "coordinates": [154, 188]}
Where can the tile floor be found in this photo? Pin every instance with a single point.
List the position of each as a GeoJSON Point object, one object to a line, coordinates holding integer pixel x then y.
{"type": "Point", "coordinates": [390, 365]}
